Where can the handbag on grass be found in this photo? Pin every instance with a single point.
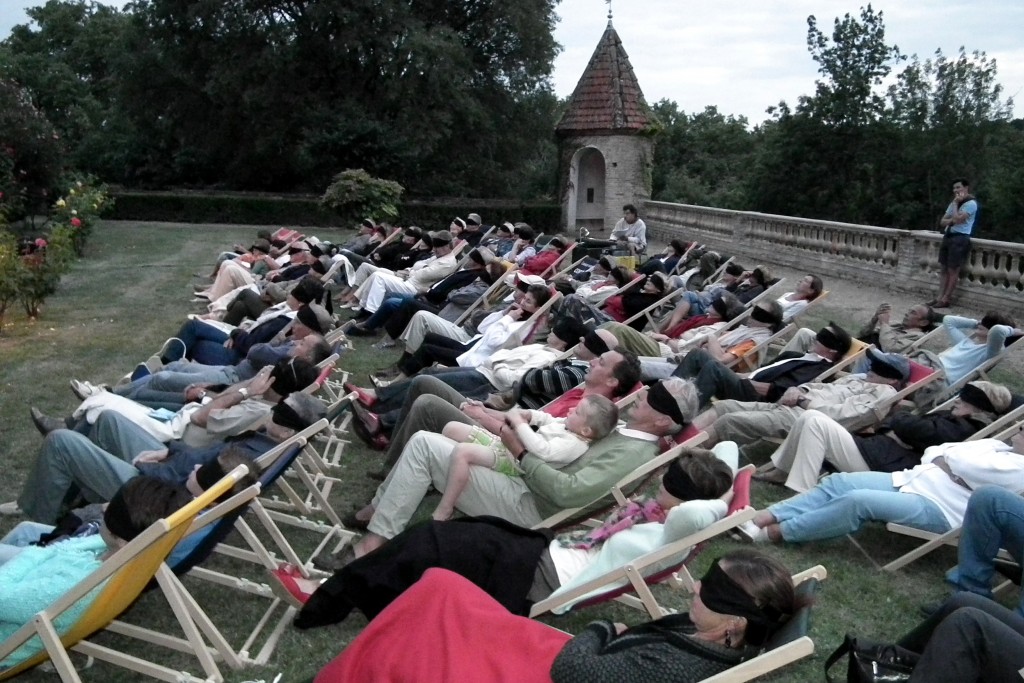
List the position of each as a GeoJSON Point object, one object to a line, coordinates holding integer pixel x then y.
{"type": "Point", "coordinates": [871, 662]}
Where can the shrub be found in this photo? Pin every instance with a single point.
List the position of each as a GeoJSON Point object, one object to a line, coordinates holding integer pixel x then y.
{"type": "Point", "coordinates": [80, 208]}
{"type": "Point", "coordinates": [39, 273]}
{"type": "Point", "coordinates": [10, 271]}
{"type": "Point", "coordinates": [355, 194]}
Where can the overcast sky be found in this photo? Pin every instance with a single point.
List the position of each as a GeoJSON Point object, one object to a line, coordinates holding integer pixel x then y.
{"type": "Point", "coordinates": [744, 56]}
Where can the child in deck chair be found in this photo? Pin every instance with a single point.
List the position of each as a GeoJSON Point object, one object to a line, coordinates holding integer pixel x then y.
{"type": "Point", "coordinates": [557, 441]}
{"type": "Point", "coordinates": [38, 576]}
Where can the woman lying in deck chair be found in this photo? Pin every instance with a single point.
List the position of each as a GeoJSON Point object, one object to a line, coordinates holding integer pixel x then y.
{"type": "Point", "coordinates": [742, 601]}
{"type": "Point", "coordinates": [520, 566]}
{"type": "Point", "coordinates": [37, 576]}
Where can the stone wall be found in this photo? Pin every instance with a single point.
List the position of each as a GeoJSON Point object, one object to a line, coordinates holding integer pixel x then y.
{"type": "Point", "coordinates": [628, 163]}
{"type": "Point", "coordinates": [904, 260]}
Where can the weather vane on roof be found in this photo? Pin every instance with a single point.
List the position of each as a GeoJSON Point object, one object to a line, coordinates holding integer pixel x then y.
{"type": "Point", "coordinates": [609, 9]}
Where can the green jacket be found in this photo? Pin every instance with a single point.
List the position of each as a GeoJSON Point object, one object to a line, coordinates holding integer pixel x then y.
{"type": "Point", "coordinates": [587, 478]}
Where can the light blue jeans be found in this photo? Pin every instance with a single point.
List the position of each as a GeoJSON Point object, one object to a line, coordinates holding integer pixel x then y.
{"type": "Point", "coordinates": [19, 537]}
{"type": "Point", "coordinates": [994, 520]}
{"type": "Point", "coordinates": [841, 503]}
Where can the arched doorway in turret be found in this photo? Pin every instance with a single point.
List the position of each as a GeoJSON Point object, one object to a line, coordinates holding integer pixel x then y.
{"type": "Point", "coordinates": [586, 190]}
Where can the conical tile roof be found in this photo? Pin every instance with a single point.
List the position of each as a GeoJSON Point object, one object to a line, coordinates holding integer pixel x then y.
{"type": "Point", "coordinates": [607, 98]}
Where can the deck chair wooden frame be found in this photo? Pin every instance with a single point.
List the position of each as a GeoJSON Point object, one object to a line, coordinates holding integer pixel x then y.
{"type": "Point", "coordinates": [753, 357]}
{"type": "Point", "coordinates": [649, 310]}
{"type": "Point", "coordinates": [176, 594]}
{"type": "Point", "coordinates": [568, 269]}
{"type": "Point", "coordinates": [119, 581]}
{"type": "Point", "coordinates": [925, 338]}
{"type": "Point", "coordinates": [551, 270]}
{"type": "Point", "coordinates": [925, 377]}
{"type": "Point", "coordinates": [933, 541]}
{"type": "Point", "coordinates": [790, 645]}
{"type": "Point", "coordinates": [485, 297]}
{"type": "Point", "coordinates": [749, 308]}
{"type": "Point", "coordinates": [980, 372]}
{"type": "Point", "coordinates": [856, 352]}
{"type": "Point", "coordinates": [525, 333]}
{"type": "Point", "coordinates": [624, 486]}
{"type": "Point", "coordinates": [637, 575]}
{"type": "Point", "coordinates": [624, 288]}
{"type": "Point", "coordinates": [677, 269]}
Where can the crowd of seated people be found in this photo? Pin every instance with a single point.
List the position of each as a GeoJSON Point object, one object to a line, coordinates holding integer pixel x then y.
{"type": "Point", "coordinates": [519, 392]}
{"type": "Point", "coordinates": [463, 430]}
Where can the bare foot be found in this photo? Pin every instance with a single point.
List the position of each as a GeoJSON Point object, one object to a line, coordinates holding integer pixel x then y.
{"type": "Point", "coordinates": [774, 533]}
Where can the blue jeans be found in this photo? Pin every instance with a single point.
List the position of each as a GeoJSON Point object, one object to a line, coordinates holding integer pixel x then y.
{"type": "Point", "coordinates": [96, 466]}
{"type": "Point", "coordinates": [205, 344]}
{"type": "Point", "coordinates": [841, 503]}
{"type": "Point", "coordinates": [994, 520]}
{"type": "Point", "coordinates": [19, 537]}
{"type": "Point", "coordinates": [387, 308]}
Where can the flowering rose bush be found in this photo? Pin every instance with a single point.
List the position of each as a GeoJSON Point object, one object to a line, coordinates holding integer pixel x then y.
{"type": "Point", "coordinates": [39, 272]}
{"type": "Point", "coordinates": [80, 208]}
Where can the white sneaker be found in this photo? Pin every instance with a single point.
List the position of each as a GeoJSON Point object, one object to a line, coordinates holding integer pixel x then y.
{"type": "Point", "coordinates": [751, 533]}
{"type": "Point", "coordinates": [11, 508]}
{"type": "Point", "coordinates": [83, 390]}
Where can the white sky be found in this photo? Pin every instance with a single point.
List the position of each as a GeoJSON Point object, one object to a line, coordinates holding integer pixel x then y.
{"type": "Point", "coordinates": [745, 55]}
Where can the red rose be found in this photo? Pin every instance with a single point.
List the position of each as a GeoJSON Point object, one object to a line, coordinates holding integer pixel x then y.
{"type": "Point", "coordinates": [76, 222]}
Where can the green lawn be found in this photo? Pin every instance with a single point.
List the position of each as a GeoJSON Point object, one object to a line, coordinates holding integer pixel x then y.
{"type": "Point", "coordinates": [131, 292]}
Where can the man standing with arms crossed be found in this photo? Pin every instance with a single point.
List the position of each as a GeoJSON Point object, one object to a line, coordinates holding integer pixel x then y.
{"type": "Point", "coordinates": [957, 224]}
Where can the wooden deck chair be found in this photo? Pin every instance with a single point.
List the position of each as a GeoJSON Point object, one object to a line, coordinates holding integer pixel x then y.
{"type": "Point", "coordinates": [623, 487]}
{"type": "Point", "coordinates": [524, 335]}
{"type": "Point", "coordinates": [790, 644]}
{"type": "Point", "coordinates": [677, 269]}
{"type": "Point", "coordinates": [753, 357]}
{"type": "Point", "coordinates": [325, 372]}
{"type": "Point", "coordinates": [1005, 421]}
{"type": "Point", "coordinates": [856, 352]}
{"type": "Point", "coordinates": [715, 276]}
{"type": "Point", "coordinates": [562, 259]}
{"type": "Point", "coordinates": [771, 291]}
{"type": "Point", "coordinates": [215, 525]}
{"type": "Point", "coordinates": [631, 583]}
{"type": "Point", "coordinates": [649, 311]}
{"type": "Point", "coordinates": [265, 556]}
{"type": "Point", "coordinates": [933, 541]}
{"type": "Point", "coordinates": [693, 274]}
{"type": "Point", "coordinates": [924, 339]}
{"type": "Point", "coordinates": [115, 585]}
{"type": "Point", "coordinates": [486, 297]}
{"type": "Point", "coordinates": [920, 377]}
{"type": "Point", "coordinates": [981, 372]}
{"type": "Point", "coordinates": [621, 290]}
{"type": "Point", "coordinates": [567, 269]}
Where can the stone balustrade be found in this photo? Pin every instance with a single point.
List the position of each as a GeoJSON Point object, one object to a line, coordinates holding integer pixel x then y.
{"type": "Point", "coordinates": [905, 260]}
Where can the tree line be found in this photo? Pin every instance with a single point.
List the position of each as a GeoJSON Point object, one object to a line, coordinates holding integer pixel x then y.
{"type": "Point", "coordinates": [453, 98]}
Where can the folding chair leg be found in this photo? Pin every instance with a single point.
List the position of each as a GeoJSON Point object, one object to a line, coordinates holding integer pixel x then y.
{"type": "Point", "coordinates": [948, 538]}
{"type": "Point", "coordinates": [58, 655]}
{"type": "Point", "coordinates": [169, 583]}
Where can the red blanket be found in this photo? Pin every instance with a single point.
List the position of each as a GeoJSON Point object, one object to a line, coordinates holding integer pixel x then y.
{"type": "Point", "coordinates": [444, 628]}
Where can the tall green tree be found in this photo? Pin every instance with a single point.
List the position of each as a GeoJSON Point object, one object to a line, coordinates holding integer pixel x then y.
{"type": "Point", "coordinates": [701, 158]}
{"type": "Point", "coordinates": [274, 94]}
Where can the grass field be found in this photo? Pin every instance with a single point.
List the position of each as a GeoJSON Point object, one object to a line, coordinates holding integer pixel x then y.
{"type": "Point", "coordinates": [131, 292]}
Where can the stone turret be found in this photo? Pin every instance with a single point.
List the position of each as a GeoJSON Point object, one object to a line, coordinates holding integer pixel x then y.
{"type": "Point", "coordinates": [606, 144]}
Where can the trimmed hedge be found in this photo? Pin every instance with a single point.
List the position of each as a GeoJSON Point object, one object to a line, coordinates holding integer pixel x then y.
{"type": "Point", "coordinates": [305, 210]}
